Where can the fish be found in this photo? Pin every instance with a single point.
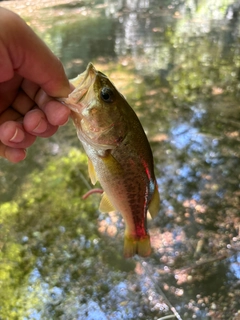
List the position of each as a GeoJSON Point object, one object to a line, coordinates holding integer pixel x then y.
{"type": "Point", "coordinates": [119, 155]}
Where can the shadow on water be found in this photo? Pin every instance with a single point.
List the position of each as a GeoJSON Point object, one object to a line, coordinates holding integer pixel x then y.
{"type": "Point", "coordinates": [178, 64]}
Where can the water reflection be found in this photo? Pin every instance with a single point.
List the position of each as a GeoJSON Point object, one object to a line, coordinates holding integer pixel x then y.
{"type": "Point", "coordinates": [178, 64]}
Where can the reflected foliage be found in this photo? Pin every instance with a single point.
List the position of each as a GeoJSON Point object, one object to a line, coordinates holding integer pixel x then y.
{"type": "Point", "coordinates": [48, 228]}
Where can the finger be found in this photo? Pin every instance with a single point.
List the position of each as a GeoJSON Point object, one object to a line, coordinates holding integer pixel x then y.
{"type": "Point", "coordinates": [22, 103]}
{"type": "Point", "coordinates": [12, 154]}
{"type": "Point", "coordinates": [12, 134]}
{"type": "Point", "coordinates": [56, 112]}
{"type": "Point", "coordinates": [8, 89]}
{"type": "Point", "coordinates": [36, 123]}
{"type": "Point", "coordinates": [34, 60]}
{"type": "Point", "coordinates": [9, 115]}
{"type": "Point", "coordinates": [30, 88]}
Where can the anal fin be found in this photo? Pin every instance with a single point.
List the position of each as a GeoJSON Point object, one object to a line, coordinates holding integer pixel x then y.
{"type": "Point", "coordinates": [105, 204]}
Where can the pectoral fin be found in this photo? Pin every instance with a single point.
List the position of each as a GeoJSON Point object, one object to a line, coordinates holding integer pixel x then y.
{"type": "Point", "coordinates": [105, 204]}
{"type": "Point", "coordinates": [154, 205]}
{"type": "Point", "coordinates": [92, 172]}
{"type": "Point", "coordinates": [112, 164]}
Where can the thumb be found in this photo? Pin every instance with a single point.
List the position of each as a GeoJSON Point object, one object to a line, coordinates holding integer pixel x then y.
{"type": "Point", "coordinates": [30, 57]}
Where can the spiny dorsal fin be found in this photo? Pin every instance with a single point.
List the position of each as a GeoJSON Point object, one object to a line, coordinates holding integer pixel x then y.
{"type": "Point", "coordinates": [91, 172]}
{"type": "Point", "coordinates": [154, 205]}
{"type": "Point", "coordinates": [105, 204]}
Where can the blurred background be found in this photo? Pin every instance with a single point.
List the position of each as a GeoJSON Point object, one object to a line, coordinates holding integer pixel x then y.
{"type": "Point", "coordinates": [178, 64]}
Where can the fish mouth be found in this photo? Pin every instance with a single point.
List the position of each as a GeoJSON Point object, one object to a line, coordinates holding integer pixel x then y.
{"type": "Point", "coordinates": [86, 78]}
{"type": "Point", "coordinates": [82, 83]}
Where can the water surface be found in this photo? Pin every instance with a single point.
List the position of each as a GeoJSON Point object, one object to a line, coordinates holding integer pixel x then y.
{"type": "Point", "coordinates": [178, 64]}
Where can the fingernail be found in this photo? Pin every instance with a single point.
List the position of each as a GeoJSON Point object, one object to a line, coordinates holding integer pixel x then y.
{"type": "Point", "coordinates": [25, 153]}
{"type": "Point", "coordinates": [15, 155]}
{"type": "Point", "coordinates": [63, 124]}
{"type": "Point", "coordinates": [18, 136]}
{"type": "Point", "coordinates": [41, 127]}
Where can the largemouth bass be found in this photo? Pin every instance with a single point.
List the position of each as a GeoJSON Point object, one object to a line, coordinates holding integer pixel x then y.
{"type": "Point", "coordinates": [119, 155]}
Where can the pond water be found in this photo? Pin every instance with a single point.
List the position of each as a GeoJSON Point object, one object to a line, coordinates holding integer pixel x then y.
{"type": "Point", "coordinates": [178, 64]}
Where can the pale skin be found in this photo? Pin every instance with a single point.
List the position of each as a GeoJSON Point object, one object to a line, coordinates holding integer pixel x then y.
{"type": "Point", "coordinates": [31, 78]}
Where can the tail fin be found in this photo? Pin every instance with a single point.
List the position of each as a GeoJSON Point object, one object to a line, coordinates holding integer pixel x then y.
{"type": "Point", "coordinates": [140, 246]}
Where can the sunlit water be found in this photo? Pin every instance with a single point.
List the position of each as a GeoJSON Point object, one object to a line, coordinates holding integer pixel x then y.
{"type": "Point", "coordinates": [178, 64]}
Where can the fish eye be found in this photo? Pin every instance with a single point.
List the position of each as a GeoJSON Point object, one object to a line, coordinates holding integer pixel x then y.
{"type": "Point", "coordinates": [107, 94]}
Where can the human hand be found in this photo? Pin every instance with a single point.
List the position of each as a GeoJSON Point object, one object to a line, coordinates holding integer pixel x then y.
{"type": "Point", "coordinates": [30, 78]}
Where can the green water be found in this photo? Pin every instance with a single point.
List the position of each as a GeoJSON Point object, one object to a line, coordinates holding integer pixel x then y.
{"type": "Point", "coordinates": [178, 64]}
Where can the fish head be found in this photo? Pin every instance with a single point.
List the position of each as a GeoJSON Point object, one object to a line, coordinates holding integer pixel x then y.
{"type": "Point", "coordinates": [96, 109]}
